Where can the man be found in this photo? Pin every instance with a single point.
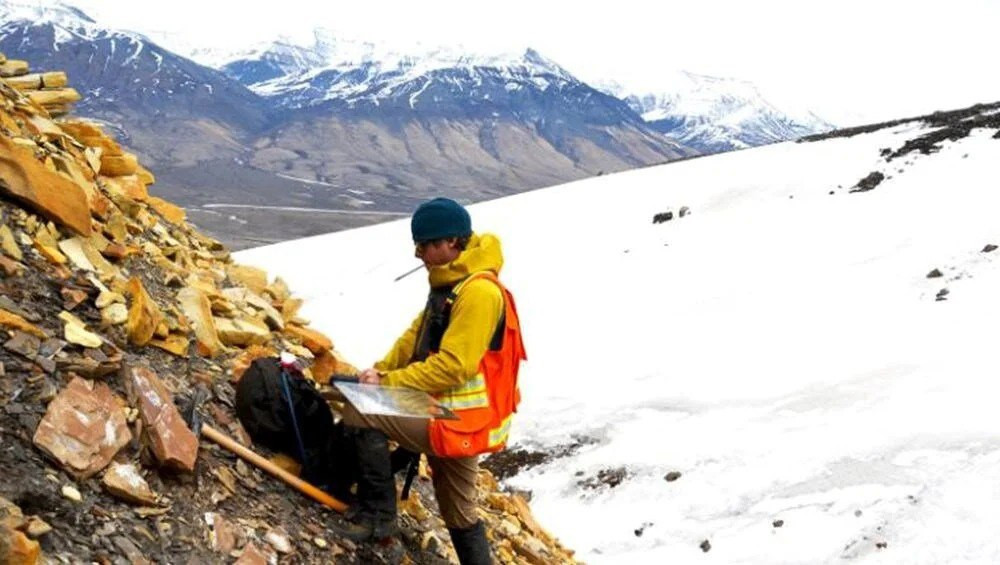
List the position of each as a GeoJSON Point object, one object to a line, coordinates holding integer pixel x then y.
{"type": "Point", "coordinates": [464, 349]}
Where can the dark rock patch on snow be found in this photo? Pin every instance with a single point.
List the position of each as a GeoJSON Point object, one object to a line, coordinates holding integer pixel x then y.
{"type": "Point", "coordinates": [869, 182]}
{"type": "Point", "coordinates": [609, 477]}
{"type": "Point", "coordinates": [511, 461]}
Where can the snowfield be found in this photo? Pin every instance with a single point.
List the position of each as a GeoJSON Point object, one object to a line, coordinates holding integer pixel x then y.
{"type": "Point", "coordinates": [781, 347]}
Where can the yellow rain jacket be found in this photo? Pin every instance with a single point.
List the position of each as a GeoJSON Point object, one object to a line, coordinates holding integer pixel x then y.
{"type": "Point", "coordinates": [474, 317]}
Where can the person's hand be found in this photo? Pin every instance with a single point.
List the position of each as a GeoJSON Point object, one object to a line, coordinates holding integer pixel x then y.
{"type": "Point", "coordinates": [369, 377]}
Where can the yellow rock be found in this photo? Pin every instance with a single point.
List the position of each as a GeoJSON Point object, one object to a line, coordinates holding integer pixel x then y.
{"type": "Point", "coordinates": [79, 335]}
{"type": "Point", "coordinates": [290, 308]}
{"type": "Point", "coordinates": [251, 277]}
{"type": "Point", "coordinates": [99, 242]}
{"type": "Point", "coordinates": [114, 314]}
{"type": "Point", "coordinates": [90, 135]}
{"type": "Point", "coordinates": [174, 343]}
{"type": "Point", "coordinates": [93, 157]}
{"type": "Point", "coordinates": [145, 175]}
{"type": "Point", "coordinates": [13, 68]}
{"type": "Point", "coordinates": [8, 244]}
{"type": "Point", "coordinates": [314, 340]}
{"type": "Point", "coordinates": [245, 296]}
{"type": "Point", "coordinates": [242, 332]}
{"type": "Point", "coordinates": [73, 249]}
{"type": "Point", "coordinates": [170, 212]}
{"type": "Point", "coordinates": [144, 315]}
{"type": "Point", "coordinates": [32, 81]}
{"type": "Point", "coordinates": [70, 318]}
{"type": "Point", "coordinates": [119, 165]}
{"type": "Point", "coordinates": [524, 513]}
{"type": "Point", "coordinates": [162, 330]}
{"type": "Point", "coordinates": [196, 308]}
{"type": "Point", "coordinates": [53, 96]}
{"type": "Point", "coordinates": [104, 268]}
{"type": "Point", "coordinates": [43, 126]}
{"type": "Point", "coordinates": [107, 298]}
{"type": "Point", "coordinates": [45, 245]}
{"type": "Point", "coordinates": [55, 79]}
{"type": "Point", "coordinates": [127, 186]}
{"type": "Point", "coordinates": [324, 366]}
{"type": "Point", "coordinates": [11, 320]}
{"type": "Point", "coordinates": [17, 549]}
{"type": "Point", "coordinates": [287, 463]}
{"type": "Point", "coordinates": [414, 507]}
{"type": "Point", "coordinates": [28, 180]}
{"type": "Point", "coordinates": [279, 290]}
{"type": "Point", "coordinates": [117, 228]}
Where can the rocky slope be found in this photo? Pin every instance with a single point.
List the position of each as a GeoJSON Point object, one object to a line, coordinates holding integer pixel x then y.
{"type": "Point", "coordinates": [114, 310]}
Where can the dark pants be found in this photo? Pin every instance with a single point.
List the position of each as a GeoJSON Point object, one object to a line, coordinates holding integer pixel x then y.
{"type": "Point", "coordinates": [454, 478]}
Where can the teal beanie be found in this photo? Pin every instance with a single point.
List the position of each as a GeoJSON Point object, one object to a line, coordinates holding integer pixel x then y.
{"type": "Point", "coordinates": [440, 218]}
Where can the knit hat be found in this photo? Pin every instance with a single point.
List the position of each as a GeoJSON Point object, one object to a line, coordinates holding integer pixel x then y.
{"type": "Point", "coordinates": [440, 218]}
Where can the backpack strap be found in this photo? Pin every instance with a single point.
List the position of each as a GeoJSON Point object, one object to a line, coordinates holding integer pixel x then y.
{"type": "Point", "coordinates": [411, 473]}
{"type": "Point", "coordinates": [496, 342]}
{"type": "Point", "coordinates": [291, 409]}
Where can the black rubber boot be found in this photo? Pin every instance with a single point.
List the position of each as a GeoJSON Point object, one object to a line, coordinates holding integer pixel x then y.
{"type": "Point", "coordinates": [471, 545]}
{"type": "Point", "coordinates": [374, 515]}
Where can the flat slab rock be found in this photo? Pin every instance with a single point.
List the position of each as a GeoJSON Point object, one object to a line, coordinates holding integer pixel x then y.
{"type": "Point", "coordinates": [83, 428]}
{"type": "Point", "coordinates": [173, 444]}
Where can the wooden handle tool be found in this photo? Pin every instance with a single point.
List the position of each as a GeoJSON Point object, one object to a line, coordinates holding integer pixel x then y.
{"type": "Point", "coordinates": [262, 463]}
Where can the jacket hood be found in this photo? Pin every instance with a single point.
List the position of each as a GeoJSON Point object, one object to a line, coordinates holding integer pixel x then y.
{"type": "Point", "coordinates": [482, 254]}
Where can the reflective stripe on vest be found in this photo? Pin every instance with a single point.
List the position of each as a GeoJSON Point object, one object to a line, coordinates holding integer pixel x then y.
{"type": "Point", "coordinates": [471, 394]}
{"type": "Point", "coordinates": [498, 435]}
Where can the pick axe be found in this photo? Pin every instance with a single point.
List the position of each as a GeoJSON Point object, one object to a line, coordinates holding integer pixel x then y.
{"type": "Point", "coordinates": [193, 418]}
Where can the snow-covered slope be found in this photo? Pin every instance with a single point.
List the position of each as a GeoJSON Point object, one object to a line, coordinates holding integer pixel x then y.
{"type": "Point", "coordinates": [716, 114]}
{"type": "Point", "coordinates": [781, 347]}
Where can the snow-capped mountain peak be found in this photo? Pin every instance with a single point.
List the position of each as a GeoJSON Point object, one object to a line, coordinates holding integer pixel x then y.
{"type": "Point", "coordinates": [331, 69]}
{"type": "Point", "coordinates": [68, 22]}
{"type": "Point", "coordinates": [49, 12]}
{"type": "Point", "coordinates": [715, 113]}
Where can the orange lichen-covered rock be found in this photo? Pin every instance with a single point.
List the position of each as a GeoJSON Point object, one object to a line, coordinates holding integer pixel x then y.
{"type": "Point", "coordinates": [312, 339]}
{"type": "Point", "coordinates": [11, 320]}
{"type": "Point", "coordinates": [144, 315]}
{"type": "Point", "coordinates": [323, 367]}
{"type": "Point", "coordinates": [241, 363]}
{"type": "Point", "coordinates": [23, 177]}
{"type": "Point", "coordinates": [172, 213]}
{"type": "Point", "coordinates": [127, 185]}
{"type": "Point", "coordinates": [198, 311]}
{"type": "Point", "coordinates": [90, 135]}
{"type": "Point", "coordinates": [17, 549]}
{"type": "Point", "coordinates": [119, 165]}
{"type": "Point", "coordinates": [251, 277]}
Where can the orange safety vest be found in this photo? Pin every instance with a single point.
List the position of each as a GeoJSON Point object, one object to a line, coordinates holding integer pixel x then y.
{"type": "Point", "coordinates": [485, 403]}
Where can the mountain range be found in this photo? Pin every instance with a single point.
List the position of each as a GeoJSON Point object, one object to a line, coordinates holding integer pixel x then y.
{"type": "Point", "coordinates": [337, 124]}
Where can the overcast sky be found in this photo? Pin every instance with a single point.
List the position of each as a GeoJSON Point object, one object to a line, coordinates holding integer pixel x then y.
{"type": "Point", "coordinates": [850, 61]}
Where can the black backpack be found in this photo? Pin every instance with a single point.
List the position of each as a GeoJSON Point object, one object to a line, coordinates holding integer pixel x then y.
{"type": "Point", "coordinates": [283, 411]}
